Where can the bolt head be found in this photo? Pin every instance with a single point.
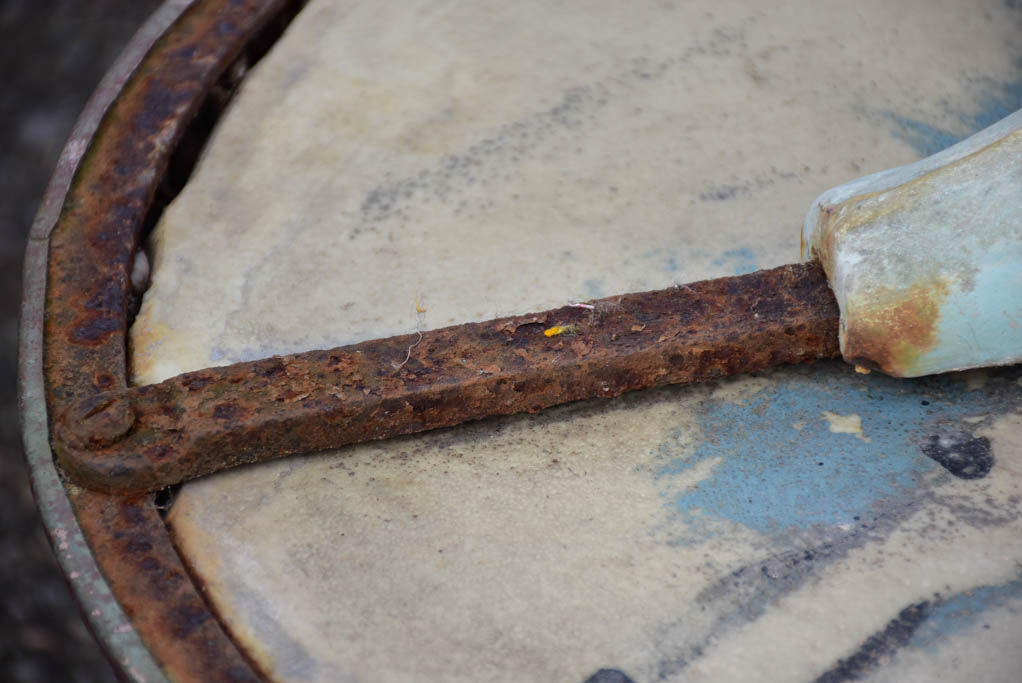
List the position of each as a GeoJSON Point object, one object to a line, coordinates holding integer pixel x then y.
{"type": "Point", "coordinates": [97, 421]}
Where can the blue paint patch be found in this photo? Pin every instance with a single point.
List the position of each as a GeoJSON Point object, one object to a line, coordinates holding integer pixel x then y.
{"type": "Point", "coordinates": [922, 137]}
{"type": "Point", "coordinates": [740, 261]}
{"type": "Point", "coordinates": [1000, 100]}
{"type": "Point", "coordinates": [667, 261]}
{"type": "Point", "coordinates": [780, 467]}
{"type": "Point", "coordinates": [960, 613]}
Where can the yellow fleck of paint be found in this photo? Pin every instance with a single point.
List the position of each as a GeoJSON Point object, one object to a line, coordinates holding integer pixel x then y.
{"type": "Point", "coordinates": [845, 424]}
{"type": "Point", "coordinates": [557, 330]}
{"type": "Point", "coordinates": [419, 308]}
{"type": "Point", "coordinates": [862, 370]}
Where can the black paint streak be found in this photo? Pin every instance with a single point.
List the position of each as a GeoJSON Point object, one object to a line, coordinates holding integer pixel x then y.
{"type": "Point", "coordinates": [609, 676]}
{"type": "Point", "coordinates": [751, 588]}
{"type": "Point", "coordinates": [720, 193]}
{"type": "Point", "coordinates": [747, 592]}
{"type": "Point", "coordinates": [726, 191]}
{"type": "Point", "coordinates": [961, 454]}
{"type": "Point", "coordinates": [510, 143]}
{"type": "Point", "coordinates": [875, 650]}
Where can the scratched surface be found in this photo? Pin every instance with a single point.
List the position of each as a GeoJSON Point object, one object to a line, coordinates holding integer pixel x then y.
{"type": "Point", "coordinates": [480, 160]}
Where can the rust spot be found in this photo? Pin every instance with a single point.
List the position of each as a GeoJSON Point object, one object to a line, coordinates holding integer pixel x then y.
{"type": "Point", "coordinates": [96, 330]}
{"type": "Point", "coordinates": [158, 452]}
{"type": "Point", "coordinates": [270, 369]}
{"type": "Point", "coordinates": [197, 382]}
{"type": "Point", "coordinates": [103, 381]}
{"type": "Point", "coordinates": [582, 347]}
{"type": "Point", "coordinates": [134, 551]}
{"type": "Point", "coordinates": [188, 618]}
{"type": "Point", "coordinates": [893, 330]}
{"type": "Point", "coordinates": [149, 564]}
{"type": "Point", "coordinates": [109, 297]}
{"type": "Point", "coordinates": [226, 411]}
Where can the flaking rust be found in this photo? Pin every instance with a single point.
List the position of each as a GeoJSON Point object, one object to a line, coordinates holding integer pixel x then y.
{"type": "Point", "coordinates": [130, 543]}
{"type": "Point", "coordinates": [212, 419]}
{"type": "Point", "coordinates": [91, 246]}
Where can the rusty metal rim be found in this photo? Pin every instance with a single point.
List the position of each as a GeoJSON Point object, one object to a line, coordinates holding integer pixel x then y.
{"type": "Point", "coordinates": [103, 614]}
{"type": "Point", "coordinates": [116, 553]}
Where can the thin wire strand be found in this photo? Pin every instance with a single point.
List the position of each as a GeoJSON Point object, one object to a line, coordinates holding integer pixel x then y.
{"type": "Point", "coordinates": [408, 355]}
{"type": "Point", "coordinates": [420, 321]}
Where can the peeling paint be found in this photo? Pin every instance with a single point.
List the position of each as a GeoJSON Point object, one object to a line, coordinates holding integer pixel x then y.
{"type": "Point", "coordinates": [845, 424]}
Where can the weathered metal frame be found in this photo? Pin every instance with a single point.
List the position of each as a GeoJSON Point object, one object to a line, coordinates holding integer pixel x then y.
{"type": "Point", "coordinates": [113, 438]}
{"type": "Point", "coordinates": [135, 593]}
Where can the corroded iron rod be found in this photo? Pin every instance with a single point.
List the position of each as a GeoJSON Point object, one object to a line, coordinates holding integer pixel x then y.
{"type": "Point", "coordinates": [147, 437]}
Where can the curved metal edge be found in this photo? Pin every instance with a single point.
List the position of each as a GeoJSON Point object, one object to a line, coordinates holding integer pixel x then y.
{"type": "Point", "coordinates": [88, 121]}
{"type": "Point", "coordinates": [103, 614]}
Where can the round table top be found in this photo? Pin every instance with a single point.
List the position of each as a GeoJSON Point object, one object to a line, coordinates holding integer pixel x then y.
{"type": "Point", "coordinates": [469, 160]}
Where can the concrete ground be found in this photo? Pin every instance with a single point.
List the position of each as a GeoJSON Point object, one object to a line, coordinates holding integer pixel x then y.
{"type": "Point", "coordinates": [52, 55]}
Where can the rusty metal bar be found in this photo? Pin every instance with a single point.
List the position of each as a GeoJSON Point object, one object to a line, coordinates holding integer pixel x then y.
{"type": "Point", "coordinates": [147, 437]}
{"type": "Point", "coordinates": [130, 543]}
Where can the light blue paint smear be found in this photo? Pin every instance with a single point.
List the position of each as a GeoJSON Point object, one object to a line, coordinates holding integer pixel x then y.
{"type": "Point", "coordinates": [662, 259]}
{"type": "Point", "coordinates": [741, 261]}
{"type": "Point", "coordinates": [924, 138]}
{"type": "Point", "coordinates": [776, 478]}
{"type": "Point", "coordinates": [981, 325]}
{"type": "Point", "coordinates": [1000, 100]}
{"type": "Point", "coordinates": [961, 612]}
